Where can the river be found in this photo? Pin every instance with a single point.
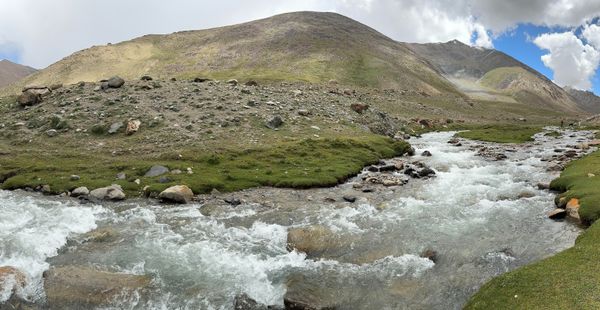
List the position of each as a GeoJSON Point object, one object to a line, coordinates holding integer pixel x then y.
{"type": "Point", "coordinates": [482, 217]}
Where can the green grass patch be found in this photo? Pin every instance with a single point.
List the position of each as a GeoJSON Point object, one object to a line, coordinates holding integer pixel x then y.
{"type": "Point", "coordinates": [502, 133]}
{"type": "Point", "coordinates": [300, 164]}
{"type": "Point", "coordinates": [581, 179]}
{"type": "Point", "coordinates": [568, 280]}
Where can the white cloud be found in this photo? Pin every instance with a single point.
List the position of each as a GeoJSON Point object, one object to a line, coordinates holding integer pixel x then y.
{"type": "Point", "coordinates": [592, 34]}
{"type": "Point", "coordinates": [573, 62]}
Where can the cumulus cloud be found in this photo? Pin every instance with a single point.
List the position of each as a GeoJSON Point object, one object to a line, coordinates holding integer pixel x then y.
{"type": "Point", "coordinates": [574, 63]}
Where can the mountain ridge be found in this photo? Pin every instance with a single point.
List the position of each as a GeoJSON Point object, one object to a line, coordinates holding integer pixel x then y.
{"type": "Point", "coordinates": [11, 72]}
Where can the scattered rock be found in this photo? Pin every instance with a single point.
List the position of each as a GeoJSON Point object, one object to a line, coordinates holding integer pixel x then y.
{"type": "Point", "coordinates": [115, 82]}
{"type": "Point", "coordinates": [80, 191]}
{"type": "Point", "coordinates": [121, 176]}
{"type": "Point", "coordinates": [359, 108]}
{"type": "Point", "coordinates": [115, 127]}
{"type": "Point", "coordinates": [132, 127]}
{"type": "Point", "coordinates": [177, 194]}
{"type": "Point", "coordinates": [84, 287]}
{"type": "Point", "coordinates": [303, 112]}
{"type": "Point", "coordinates": [164, 180]}
{"type": "Point", "coordinates": [251, 83]}
{"type": "Point", "coordinates": [350, 199]}
{"type": "Point", "coordinates": [275, 122]}
{"type": "Point", "coordinates": [233, 82]}
{"type": "Point", "coordinates": [113, 192]}
{"type": "Point", "coordinates": [233, 201]}
{"type": "Point", "coordinates": [75, 177]}
{"type": "Point", "coordinates": [51, 132]}
{"type": "Point", "coordinates": [156, 171]}
{"type": "Point", "coordinates": [426, 172]}
{"type": "Point", "coordinates": [146, 78]}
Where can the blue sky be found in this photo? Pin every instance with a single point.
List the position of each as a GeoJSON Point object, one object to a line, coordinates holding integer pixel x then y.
{"type": "Point", "coordinates": [518, 43]}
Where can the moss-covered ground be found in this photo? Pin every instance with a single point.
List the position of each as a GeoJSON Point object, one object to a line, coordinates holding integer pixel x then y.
{"type": "Point", "coordinates": [502, 133]}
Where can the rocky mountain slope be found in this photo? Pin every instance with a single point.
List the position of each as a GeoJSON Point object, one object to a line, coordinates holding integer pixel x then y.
{"type": "Point", "coordinates": [493, 75]}
{"type": "Point", "coordinates": [11, 72]}
{"type": "Point", "coordinates": [586, 100]}
{"type": "Point", "coordinates": [304, 46]}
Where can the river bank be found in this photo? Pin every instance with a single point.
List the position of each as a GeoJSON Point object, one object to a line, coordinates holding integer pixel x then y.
{"type": "Point", "coordinates": [426, 244]}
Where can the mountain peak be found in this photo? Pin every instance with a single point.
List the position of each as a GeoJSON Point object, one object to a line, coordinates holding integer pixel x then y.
{"type": "Point", "coordinates": [11, 72]}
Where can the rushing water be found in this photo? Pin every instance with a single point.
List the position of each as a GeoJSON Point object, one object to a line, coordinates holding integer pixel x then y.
{"type": "Point", "coordinates": [482, 217]}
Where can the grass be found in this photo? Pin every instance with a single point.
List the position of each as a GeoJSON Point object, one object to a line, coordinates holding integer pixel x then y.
{"type": "Point", "coordinates": [570, 279]}
{"type": "Point", "coordinates": [301, 164]}
{"type": "Point", "coordinates": [502, 133]}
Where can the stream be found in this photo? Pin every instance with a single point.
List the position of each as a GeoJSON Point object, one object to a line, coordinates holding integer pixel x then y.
{"type": "Point", "coordinates": [480, 216]}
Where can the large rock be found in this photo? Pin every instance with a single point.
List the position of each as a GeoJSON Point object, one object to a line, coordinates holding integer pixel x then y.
{"type": "Point", "coordinates": [156, 171]}
{"type": "Point", "coordinates": [557, 214]}
{"type": "Point", "coordinates": [113, 192]}
{"type": "Point", "coordinates": [317, 242]}
{"type": "Point", "coordinates": [11, 280]}
{"type": "Point", "coordinates": [29, 98]}
{"type": "Point", "coordinates": [80, 191]}
{"type": "Point", "coordinates": [177, 194]}
{"type": "Point", "coordinates": [115, 82]}
{"type": "Point", "coordinates": [132, 127]}
{"type": "Point", "coordinates": [74, 287]}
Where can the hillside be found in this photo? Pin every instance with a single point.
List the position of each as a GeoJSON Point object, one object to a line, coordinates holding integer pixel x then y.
{"type": "Point", "coordinates": [11, 72]}
{"type": "Point", "coordinates": [586, 100]}
{"type": "Point", "coordinates": [493, 75]}
{"type": "Point", "coordinates": [304, 46]}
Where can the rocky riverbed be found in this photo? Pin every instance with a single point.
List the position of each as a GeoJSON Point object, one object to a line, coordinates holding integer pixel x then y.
{"type": "Point", "coordinates": [421, 232]}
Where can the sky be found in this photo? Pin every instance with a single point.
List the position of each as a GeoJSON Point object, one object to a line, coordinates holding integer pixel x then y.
{"type": "Point", "coordinates": [559, 38]}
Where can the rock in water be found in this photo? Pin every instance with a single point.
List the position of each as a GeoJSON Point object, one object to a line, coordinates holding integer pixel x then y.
{"type": "Point", "coordinates": [113, 192]}
{"type": "Point", "coordinates": [156, 171]}
{"type": "Point", "coordinates": [74, 287]}
{"type": "Point", "coordinates": [11, 280]}
{"type": "Point", "coordinates": [115, 82]}
{"type": "Point", "coordinates": [275, 122]}
{"type": "Point", "coordinates": [244, 302]}
{"type": "Point", "coordinates": [132, 127]}
{"type": "Point", "coordinates": [558, 214]}
{"type": "Point", "coordinates": [177, 194]}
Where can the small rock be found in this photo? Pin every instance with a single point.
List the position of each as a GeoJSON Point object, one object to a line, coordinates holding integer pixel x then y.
{"type": "Point", "coordinates": [113, 192]}
{"type": "Point", "coordinates": [573, 209]}
{"type": "Point", "coordinates": [164, 180]}
{"type": "Point", "coordinates": [543, 186]}
{"type": "Point", "coordinates": [233, 201]}
{"type": "Point", "coordinates": [274, 122]}
{"type": "Point", "coordinates": [51, 132]}
{"type": "Point", "coordinates": [233, 82]}
{"type": "Point", "coordinates": [156, 171]}
{"type": "Point", "coordinates": [359, 108]}
{"type": "Point", "coordinates": [177, 194]}
{"type": "Point", "coordinates": [75, 177]}
{"type": "Point", "coordinates": [350, 199]}
{"type": "Point", "coordinates": [431, 255]}
{"type": "Point", "coordinates": [121, 176]}
{"type": "Point", "coordinates": [80, 191]}
{"type": "Point", "coordinates": [115, 127]}
{"type": "Point", "coordinates": [426, 154]}
{"type": "Point", "coordinates": [146, 78]}
{"type": "Point", "coordinates": [557, 214]}
{"type": "Point", "coordinates": [132, 127]}
{"type": "Point", "coordinates": [303, 112]}
{"type": "Point", "coordinates": [426, 172]}
{"type": "Point", "coordinates": [251, 83]}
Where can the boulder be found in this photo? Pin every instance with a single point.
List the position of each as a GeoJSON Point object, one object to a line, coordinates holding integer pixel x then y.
{"type": "Point", "coordinates": [80, 191]}
{"type": "Point", "coordinates": [177, 194]}
{"type": "Point", "coordinates": [359, 108]}
{"type": "Point", "coordinates": [312, 240]}
{"type": "Point", "coordinates": [78, 287]}
{"type": "Point", "coordinates": [29, 98]}
{"type": "Point", "coordinates": [115, 82]}
{"type": "Point", "coordinates": [105, 234]}
{"type": "Point", "coordinates": [40, 90]}
{"type": "Point", "coordinates": [156, 171]}
{"type": "Point", "coordinates": [132, 127]}
{"type": "Point", "coordinates": [275, 122]}
{"type": "Point", "coordinates": [113, 192]}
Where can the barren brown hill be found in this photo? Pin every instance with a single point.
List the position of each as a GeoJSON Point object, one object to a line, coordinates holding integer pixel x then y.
{"type": "Point", "coordinates": [11, 72]}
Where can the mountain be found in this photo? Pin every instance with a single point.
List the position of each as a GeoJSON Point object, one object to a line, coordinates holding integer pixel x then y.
{"type": "Point", "coordinates": [586, 100]}
{"type": "Point", "coordinates": [304, 46]}
{"type": "Point", "coordinates": [11, 72]}
{"type": "Point", "coordinates": [317, 48]}
{"type": "Point", "coordinates": [488, 74]}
